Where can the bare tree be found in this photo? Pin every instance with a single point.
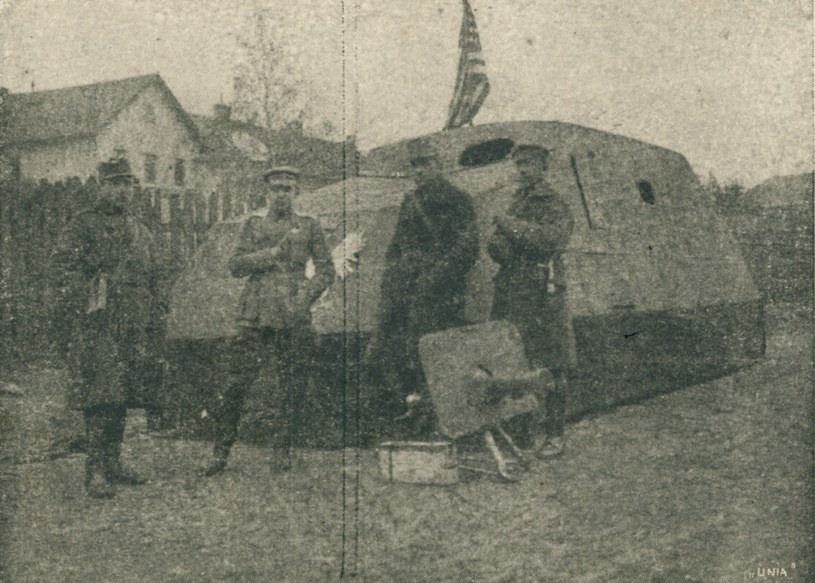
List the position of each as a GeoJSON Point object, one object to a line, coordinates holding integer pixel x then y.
{"type": "Point", "coordinates": [270, 89]}
{"type": "Point", "coordinates": [726, 197]}
{"type": "Point", "coordinates": [264, 84]}
{"type": "Point", "coordinates": [713, 188]}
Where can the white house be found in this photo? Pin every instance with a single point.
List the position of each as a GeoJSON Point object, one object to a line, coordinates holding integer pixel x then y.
{"type": "Point", "coordinates": [62, 133]}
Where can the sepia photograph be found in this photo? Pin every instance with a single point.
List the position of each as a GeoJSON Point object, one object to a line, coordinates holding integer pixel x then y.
{"type": "Point", "coordinates": [407, 291]}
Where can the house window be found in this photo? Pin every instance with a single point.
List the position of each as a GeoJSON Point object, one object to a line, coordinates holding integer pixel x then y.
{"type": "Point", "coordinates": [180, 173]}
{"type": "Point", "coordinates": [150, 168]}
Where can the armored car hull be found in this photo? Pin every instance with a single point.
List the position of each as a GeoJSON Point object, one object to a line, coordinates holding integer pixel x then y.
{"type": "Point", "coordinates": [658, 291]}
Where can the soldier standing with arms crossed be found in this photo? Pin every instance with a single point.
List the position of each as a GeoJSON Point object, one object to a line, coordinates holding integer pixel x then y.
{"type": "Point", "coordinates": [108, 322]}
{"type": "Point", "coordinates": [274, 313]}
{"type": "Point", "coordinates": [530, 287]}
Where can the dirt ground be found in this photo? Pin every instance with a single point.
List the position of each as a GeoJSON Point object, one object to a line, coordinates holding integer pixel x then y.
{"type": "Point", "coordinates": [709, 483]}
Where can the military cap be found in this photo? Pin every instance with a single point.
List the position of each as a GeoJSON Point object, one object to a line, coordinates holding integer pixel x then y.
{"type": "Point", "coordinates": [115, 170]}
{"type": "Point", "coordinates": [531, 149]}
{"type": "Point", "coordinates": [421, 149]}
{"type": "Point", "coordinates": [286, 173]}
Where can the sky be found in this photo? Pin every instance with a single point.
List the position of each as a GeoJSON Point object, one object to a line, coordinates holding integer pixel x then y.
{"type": "Point", "coordinates": [729, 83]}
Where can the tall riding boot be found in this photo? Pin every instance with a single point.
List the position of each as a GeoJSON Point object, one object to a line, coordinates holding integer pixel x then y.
{"type": "Point", "coordinates": [555, 418]}
{"type": "Point", "coordinates": [114, 435]}
{"type": "Point", "coordinates": [96, 482]}
{"type": "Point", "coordinates": [117, 473]}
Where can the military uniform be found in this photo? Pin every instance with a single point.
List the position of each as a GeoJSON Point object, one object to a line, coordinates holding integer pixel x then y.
{"type": "Point", "coordinates": [274, 318]}
{"type": "Point", "coordinates": [434, 246]}
{"type": "Point", "coordinates": [530, 286]}
{"type": "Point", "coordinates": [108, 323]}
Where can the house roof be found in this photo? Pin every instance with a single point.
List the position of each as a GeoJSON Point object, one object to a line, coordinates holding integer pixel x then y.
{"type": "Point", "coordinates": [216, 137]}
{"type": "Point", "coordinates": [315, 157]}
{"type": "Point", "coordinates": [781, 191]}
{"type": "Point", "coordinates": [81, 111]}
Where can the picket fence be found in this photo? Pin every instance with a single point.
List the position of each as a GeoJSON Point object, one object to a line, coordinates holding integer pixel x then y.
{"type": "Point", "coordinates": [32, 217]}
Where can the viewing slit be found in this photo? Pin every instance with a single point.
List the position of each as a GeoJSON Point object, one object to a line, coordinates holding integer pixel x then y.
{"type": "Point", "coordinates": [485, 153]}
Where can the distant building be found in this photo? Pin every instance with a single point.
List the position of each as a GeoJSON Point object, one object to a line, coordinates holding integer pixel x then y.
{"type": "Point", "coordinates": [62, 133]}
{"type": "Point", "coordinates": [235, 154]}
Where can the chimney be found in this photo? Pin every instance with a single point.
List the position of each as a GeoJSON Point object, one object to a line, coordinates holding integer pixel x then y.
{"type": "Point", "coordinates": [221, 112]}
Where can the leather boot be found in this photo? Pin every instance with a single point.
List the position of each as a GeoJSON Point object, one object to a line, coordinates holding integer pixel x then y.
{"type": "Point", "coordinates": [217, 464]}
{"type": "Point", "coordinates": [96, 482]}
{"type": "Point", "coordinates": [116, 472]}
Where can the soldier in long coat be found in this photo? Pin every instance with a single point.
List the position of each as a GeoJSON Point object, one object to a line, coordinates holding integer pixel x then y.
{"type": "Point", "coordinates": [274, 314]}
{"type": "Point", "coordinates": [108, 322]}
{"type": "Point", "coordinates": [530, 286]}
{"type": "Point", "coordinates": [434, 246]}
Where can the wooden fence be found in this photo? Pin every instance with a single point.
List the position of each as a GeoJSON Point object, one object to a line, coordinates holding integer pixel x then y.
{"type": "Point", "coordinates": [32, 216]}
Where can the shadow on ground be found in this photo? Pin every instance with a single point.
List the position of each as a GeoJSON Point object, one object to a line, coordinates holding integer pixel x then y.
{"type": "Point", "coordinates": [709, 483]}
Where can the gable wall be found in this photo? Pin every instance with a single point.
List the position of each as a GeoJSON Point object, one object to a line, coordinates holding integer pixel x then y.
{"type": "Point", "coordinates": [165, 137]}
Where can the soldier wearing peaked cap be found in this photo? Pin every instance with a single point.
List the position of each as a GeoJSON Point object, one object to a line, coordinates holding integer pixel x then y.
{"type": "Point", "coordinates": [108, 322]}
{"type": "Point", "coordinates": [282, 174]}
{"type": "Point", "coordinates": [434, 246]}
{"type": "Point", "coordinates": [274, 312]}
{"type": "Point", "coordinates": [530, 287]}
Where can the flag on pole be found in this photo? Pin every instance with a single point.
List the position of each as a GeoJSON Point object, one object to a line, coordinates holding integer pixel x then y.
{"type": "Point", "coordinates": [472, 85]}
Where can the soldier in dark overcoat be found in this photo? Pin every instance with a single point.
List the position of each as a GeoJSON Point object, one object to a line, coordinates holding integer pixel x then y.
{"type": "Point", "coordinates": [434, 246]}
{"type": "Point", "coordinates": [108, 322]}
{"type": "Point", "coordinates": [530, 286]}
{"type": "Point", "coordinates": [274, 314]}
